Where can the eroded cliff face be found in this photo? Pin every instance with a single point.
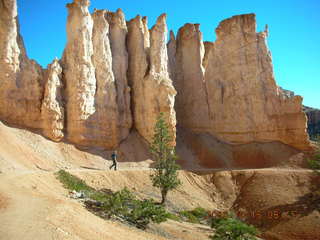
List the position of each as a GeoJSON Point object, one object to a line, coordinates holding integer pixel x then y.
{"type": "Point", "coordinates": [117, 35]}
{"type": "Point", "coordinates": [104, 122]}
{"type": "Point", "coordinates": [21, 86]}
{"type": "Point", "coordinates": [116, 76]}
{"type": "Point", "coordinates": [52, 109]}
{"type": "Point", "coordinates": [313, 115]}
{"type": "Point", "coordinates": [79, 72]}
{"type": "Point", "coordinates": [152, 88]}
{"type": "Point", "coordinates": [230, 92]}
{"type": "Point", "coordinates": [191, 102]}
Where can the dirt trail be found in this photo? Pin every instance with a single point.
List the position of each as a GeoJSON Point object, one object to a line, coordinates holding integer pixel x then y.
{"type": "Point", "coordinates": [38, 207]}
{"type": "Point", "coordinates": [34, 205]}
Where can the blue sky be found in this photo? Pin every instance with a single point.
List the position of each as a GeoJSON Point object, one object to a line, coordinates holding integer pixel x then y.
{"type": "Point", "coordinates": [294, 31]}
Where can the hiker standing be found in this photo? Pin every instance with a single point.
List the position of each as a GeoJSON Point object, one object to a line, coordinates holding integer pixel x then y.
{"type": "Point", "coordinates": [114, 160]}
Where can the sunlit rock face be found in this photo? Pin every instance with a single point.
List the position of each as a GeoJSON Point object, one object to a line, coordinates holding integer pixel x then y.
{"type": "Point", "coordinates": [52, 109]}
{"type": "Point", "coordinates": [104, 122]}
{"type": "Point", "coordinates": [117, 35]}
{"type": "Point", "coordinates": [230, 90]}
{"type": "Point", "coordinates": [191, 105]}
{"type": "Point", "coordinates": [313, 115]}
{"type": "Point", "coordinates": [79, 72]}
{"type": "Point", "coordinates": [92, 110]}
{"type": "Point", "coordinates": [21, 87]}
{"type": "Point", "coordinates": [152, 90]}
{"type": "Point", "coordinates": [117, 76]}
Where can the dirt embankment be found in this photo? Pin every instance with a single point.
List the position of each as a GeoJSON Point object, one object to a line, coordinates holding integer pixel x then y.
{"type": "Point", "coordinates": [3, 202]}
{"type": "Point", "coordinates": [34, 205]}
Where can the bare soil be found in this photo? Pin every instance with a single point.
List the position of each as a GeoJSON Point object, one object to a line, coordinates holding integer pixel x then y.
{"type": "Point", "coordinates": [34, 205]}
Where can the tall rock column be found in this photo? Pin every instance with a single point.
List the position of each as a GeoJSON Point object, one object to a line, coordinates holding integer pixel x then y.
{"type": "Point", "coordinates": [79, 72]}
{"type": "Point", "coordinates": [52, 109]}
{"type": "Point", "coordinates": [104, 122]}
{"type": "Point", "coordinates": [313, 121]}
{"type": "Point", "coordinates": [244, 101]}
{"type": "Point", "coordinates": [192, 101]}
{"type": "Point", "coordinates": [172, 48]}
{"type": "Point", "coordinates": [20, 78]}
{"type": "Point", "coordinates": [148, 74]}
{"type": "Point", "coordinates": [117, 35]}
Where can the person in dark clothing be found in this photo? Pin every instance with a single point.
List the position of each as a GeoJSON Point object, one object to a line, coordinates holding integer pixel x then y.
{"type": "Point", "coordinates": [114, 160]}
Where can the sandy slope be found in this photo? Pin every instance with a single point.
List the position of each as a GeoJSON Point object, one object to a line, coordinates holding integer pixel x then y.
{"type": "Point", "coordinates": [34, 205]}
{"type": "Point", "coordinates": [39, 209]}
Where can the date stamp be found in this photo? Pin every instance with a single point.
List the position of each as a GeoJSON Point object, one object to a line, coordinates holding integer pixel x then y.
{"type": "Point", "coordinates": [266, 214]}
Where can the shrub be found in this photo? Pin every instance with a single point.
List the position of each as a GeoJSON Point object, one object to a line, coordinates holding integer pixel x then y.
{"type": "Point", "coordinates": [122, 204]}
{"type": "Point", "coordinates": [231, 228]}
{"type": "Point", "coordinates": [174, 217]}
{"type": "Point", "coordinates": [165, 175]}
{"type": "Point", "coordinates": [146, 211]}
{"type": "Point", "coordinates": [189, 217]}
{"type": "Point", "coordinates": [314, 161]}
{"type": "Point", "coordinates": [118, 203]}
{"type": "Point", "coordinates": [200, 212]}
{"type": "Point", "coordinates": [196, 215]}
{"type": "Point", "coordinates": [140, 213]}
{"type": "Point", "coordinates": [72, 182]}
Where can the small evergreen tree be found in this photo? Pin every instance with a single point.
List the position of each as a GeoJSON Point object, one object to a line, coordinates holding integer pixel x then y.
{"type": "Point", "coordinates": [231, 228]}
{"type": "Point", "coordinates": [165, 175]}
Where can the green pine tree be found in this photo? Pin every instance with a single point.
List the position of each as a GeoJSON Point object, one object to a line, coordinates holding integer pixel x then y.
{"type": "Point", "coordinates": [165, 175]}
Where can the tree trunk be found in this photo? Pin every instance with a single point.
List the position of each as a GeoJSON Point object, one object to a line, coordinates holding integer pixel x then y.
{"type": "Point", "coordinates": [164, 196]}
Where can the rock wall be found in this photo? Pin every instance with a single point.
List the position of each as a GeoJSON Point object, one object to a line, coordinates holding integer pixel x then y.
{"type": "Point", "coordinates": [116, 76]}
{"type": "Point", "coordinates": [21, 79]}
{"type": "Point", "coordinates": [79, 72]}
{"type": "Point", "coordinates": [230, 92]}
{"type": "Point", "coordinates": [191, 103]}
{"type": "Point", "coordinates": [117, 35]}
{"type": "Point", "coordinates": [313, 115]}
{"type": "Point", "coordinates": [52, 109]}
{"type": "Point", "coordinates": [149, 77]}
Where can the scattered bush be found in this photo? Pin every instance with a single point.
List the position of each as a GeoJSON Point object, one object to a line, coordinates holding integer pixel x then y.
{"type": "Point", "coordinates": [196, 215]}
{"type": "Point", "coordinates": [146, 211]}
{"type": "Point", "coordinates": [72, 182]}
{"type": "Point", "coordinates": [174, 217]}
{"type": "Point", "coordinates": [118, 203]}
{"type": "Point", "coordinates": [314, 161]}
{"type": "Point", "coordinates": [200, 212]}
{"type": "Point", "coordinates": [121, 204]}
{"type": "Point", "coordinates": [231, 228]}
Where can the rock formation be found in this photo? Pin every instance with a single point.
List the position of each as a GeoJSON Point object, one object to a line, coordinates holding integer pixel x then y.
{"type": "Point", "coordinates": [313, 115]}
{"type": "Point", "coordinates": [172, 48]}
{"type": "Point", "coordinates": [152, 90]}
{"type": "Point", "coordinates": [116, 76]}
{"type": "Point", "coordinates": [191, 102]}
{"type": "Point", "coordinates": [104, 122]}
{"type": "Point", "coordinates": [52, 109]}
{"type": "Point", "coordinates": [117, 35]}
{"type": "Point", "coordinates": [92, 110]}
{"type": "Point", "coordinates": [21, 87]}
{"type": "Point", "coordinates": [79, 72]}
{"type": "Point", "coordinates": [235, 97]}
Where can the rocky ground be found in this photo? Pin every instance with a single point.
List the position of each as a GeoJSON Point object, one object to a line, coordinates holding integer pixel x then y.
{"type": "Point", "coordinates": [34, 205]}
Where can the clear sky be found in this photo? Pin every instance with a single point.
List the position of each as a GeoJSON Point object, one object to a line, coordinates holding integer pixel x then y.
{"type": "Point", "coordinates": [294, 31]}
